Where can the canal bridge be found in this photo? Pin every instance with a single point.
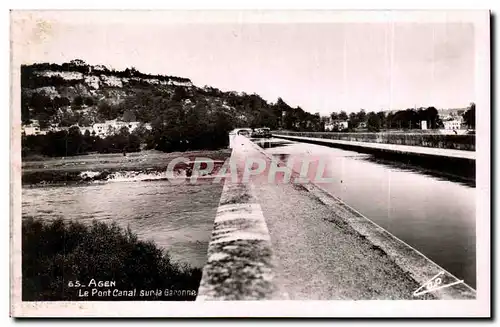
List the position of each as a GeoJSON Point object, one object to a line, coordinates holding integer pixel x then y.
{"type": "Point", "coordinates": [298, 241]}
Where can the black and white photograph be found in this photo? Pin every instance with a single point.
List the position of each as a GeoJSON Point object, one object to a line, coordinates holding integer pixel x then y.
{"type": "Point", "coordinates": [184, 163]}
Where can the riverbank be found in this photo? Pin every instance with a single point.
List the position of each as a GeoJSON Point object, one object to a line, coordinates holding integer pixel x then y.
{"type": "Point", "coordinates": [103, 167]}
{"type": "Point", "coordinates": [71, 261]}
{"type": "Point", "coordinates": [133, 191]}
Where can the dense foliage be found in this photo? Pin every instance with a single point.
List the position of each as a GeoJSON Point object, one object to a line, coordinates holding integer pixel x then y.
{"type": "Point", "coordinates": [72, 142]}
{"type": "Point", "coordinates": [183, 117]}
{"type": "Point", "coordinates": [470, 116]}
{"type": "Point", "coordinates": [402, 119]}
{"type": "Point", "coordinates": [59, 252]}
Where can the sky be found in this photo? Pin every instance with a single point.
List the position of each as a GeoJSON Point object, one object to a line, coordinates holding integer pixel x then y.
{"type": "Point", "coordinates": [321, 67]}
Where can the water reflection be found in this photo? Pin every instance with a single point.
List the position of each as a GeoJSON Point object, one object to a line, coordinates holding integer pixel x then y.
{"type": "Point", "coordinates": [432, 213]}
{"type": "Point", "coordinates": [409, 166]}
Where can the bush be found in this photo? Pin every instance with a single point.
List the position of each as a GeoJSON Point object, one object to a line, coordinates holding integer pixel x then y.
{"type": "Point", "coordinates": [57, 254]}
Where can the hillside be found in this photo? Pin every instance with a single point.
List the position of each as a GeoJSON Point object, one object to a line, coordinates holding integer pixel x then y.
{"type": "Point", "coordinates": [78, 93]}
{"type": "Point", "coordinates": [182, 115]}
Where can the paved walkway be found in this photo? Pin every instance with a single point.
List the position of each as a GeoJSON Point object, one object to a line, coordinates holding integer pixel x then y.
{"type": "Point", "coordinates": [320, 257]}
{"type": "Point", "coordinates": [470, 155]}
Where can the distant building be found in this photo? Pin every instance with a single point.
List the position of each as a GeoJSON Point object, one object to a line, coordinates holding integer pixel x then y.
{"type": "Point", "coordinates": [452, 124]}
{"type": "Point", "coordinates": [53, 128]}
{"type": "Point", "coordinates": [338, 125]}
{"type": "Point", "coordinates": [110, 127]}
{"type": "Point", "coordinates": [32, 129]}
{"type": "Point", "coordinates": [100, 129]}
{"type": "Point", "coordinates": [133, 125]}
{"type": "Point", "coordinates": [99, 68]}
{"type": "Point", "coordinates": [85, 129]}
{"type": "Point", "coordinates": [77, 62]}
{"type": "Point", "coordinates": [423, 124]}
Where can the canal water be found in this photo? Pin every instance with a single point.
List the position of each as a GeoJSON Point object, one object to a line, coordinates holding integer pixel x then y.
{"type": "Point", "coordinates": [433, 214]}
{"type": "Point", "coordinates": [178, 218]}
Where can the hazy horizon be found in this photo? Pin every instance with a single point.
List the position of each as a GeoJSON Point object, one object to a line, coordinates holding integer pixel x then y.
{"type": "Point", "coordinates": [321, 67]}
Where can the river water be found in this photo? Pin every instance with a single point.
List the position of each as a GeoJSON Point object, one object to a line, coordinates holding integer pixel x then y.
{"type": "Point", "coordinates": [434, 215]}
{"type": "Point", "coordinates": [178, 218]}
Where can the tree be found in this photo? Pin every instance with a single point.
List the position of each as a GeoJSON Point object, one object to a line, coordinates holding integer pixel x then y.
{"type": "Point", "coordinates": [361, 116]}
{"type": "Point", "coordinates": [129, 115]}
{"type": "Point", "coordinates": [107, 111]}
{"type": "Point", "coordinates": [343, 115]}
{"type": "Point", "coordinates": [43, 120]}
{"type": "Point", "coordinates": [78, 101]}
{"type": "Point", "coordinates": [25, 109]}
{"type": "Point", "coordinates": [403, 119]}
{"type": "Point", "coordinates": [84, 120]}
{"type": "Point", "coordinates": [180, 94]}
{"type": "Point", "coordinates": [134, 143]}
{"type": "Point", "coordinates": [141, 131]}
{"type": "Point", "coordinates": [68, 119]}
{"type": "Point", "coordinates": [88, 101]}
{"type": "Point", "coordinates": [124, 131]}
{"type": "Point", "coordinates": [40, 102]}
{"type": "Point", "coordinates": [432, 116]}
{"type": "Point", "coordinates": [470, 116]}
{"type": "Point", "coordinates": [74, 141]}
{"type": "Point", "coordinates": [383, 119]}
{"type": "Point", "coordinates": [353, 120]}
{"type": "Point", "coordinates": [60, 102]}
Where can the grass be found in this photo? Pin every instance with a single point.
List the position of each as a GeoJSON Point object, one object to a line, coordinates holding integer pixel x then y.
{"type": "Point", "coordinates": [67, 170]}
{"type": "Point", "coordinates": [56, 254]}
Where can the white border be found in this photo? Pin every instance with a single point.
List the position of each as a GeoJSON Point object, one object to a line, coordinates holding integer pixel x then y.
{"type": "Point", "coordinates": [328, 308]}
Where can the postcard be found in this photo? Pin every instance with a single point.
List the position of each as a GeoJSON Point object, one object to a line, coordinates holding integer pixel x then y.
{"type": "Point", "coordinates": [250, 163]}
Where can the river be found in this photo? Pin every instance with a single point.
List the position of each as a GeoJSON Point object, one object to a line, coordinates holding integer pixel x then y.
{"type": "Point", "coordinates": [178, 218]}
{"type": "Point", "coordinates": [433, 214]}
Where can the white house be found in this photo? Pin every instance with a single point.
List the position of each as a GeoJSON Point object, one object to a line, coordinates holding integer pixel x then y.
{"type": "Point", "coordinates": [100, 129]}
{"type": "Point", "coordinates": [336, 125]}
{"type": "Point", "coordinates": [32, 129]}
{"type": "Point", "coordinates": [83, 129]}
{"type": "Point", "coordinates": [133, 125]}
{"type": "Point", "coordinates": [453, 124]}
{"type": "Point", "coordinates": [110, 127]}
